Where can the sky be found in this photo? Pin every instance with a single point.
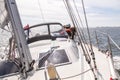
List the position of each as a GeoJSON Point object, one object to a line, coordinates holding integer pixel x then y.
{"type": "Point", "coordinates": [99, 12]}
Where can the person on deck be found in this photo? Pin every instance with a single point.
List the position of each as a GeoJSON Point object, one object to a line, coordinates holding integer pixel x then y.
{"type": "Point", "coordinates": [70, 30]}
{"type": "Point", "coordinates": [26, 28]}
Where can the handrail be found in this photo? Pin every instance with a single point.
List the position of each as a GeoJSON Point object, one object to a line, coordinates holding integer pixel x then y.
{"type": "Point", "coordinates": [109, 38]}
{"type": "Point", "coordinates": [114, 43]}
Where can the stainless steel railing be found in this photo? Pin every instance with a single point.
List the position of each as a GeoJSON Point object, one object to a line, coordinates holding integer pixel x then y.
{"type": "Point", "coordinates": [110, 42]}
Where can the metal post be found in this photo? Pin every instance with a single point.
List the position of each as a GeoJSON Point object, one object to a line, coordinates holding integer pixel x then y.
{"type": "Point", "coordinates": [110, 49]}
{"type": "Point", "coordinates": [97, 40]}
{"type": "Point", "coordinates": [19, 35]}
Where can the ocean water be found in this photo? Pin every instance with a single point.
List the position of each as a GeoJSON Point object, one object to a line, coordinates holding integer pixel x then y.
{"type": "Point", "coordinates": [114, 32]}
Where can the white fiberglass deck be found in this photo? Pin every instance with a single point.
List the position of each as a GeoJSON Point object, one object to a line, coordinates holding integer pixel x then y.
{"type": "Point", "coordinates": [81, 70]}
{"type": "Point", "coordinates": [105, 69]}
{"type": "Point", "coordinates": [74, 70]}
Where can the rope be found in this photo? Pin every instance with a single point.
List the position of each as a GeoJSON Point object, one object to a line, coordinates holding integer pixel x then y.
{"type": "Point", "coordinates": [77, 74]}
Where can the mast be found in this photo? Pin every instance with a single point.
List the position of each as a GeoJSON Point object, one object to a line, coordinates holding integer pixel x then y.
{"type": "Point", "coordinates": [19, 35]}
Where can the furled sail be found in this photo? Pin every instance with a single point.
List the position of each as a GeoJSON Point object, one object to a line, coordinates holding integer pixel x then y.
{"type": "Point", "coordinates": [3, 14]}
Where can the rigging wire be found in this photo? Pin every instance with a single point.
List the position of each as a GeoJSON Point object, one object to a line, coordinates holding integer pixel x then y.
{"type": "Point", "coordinates": [80, 22]}
{"type": "Point", "coordinates": [77, 12]}
{"type": "Point", "coordinates": [82, 39]}
{"type": "Point", "coordinates": [80, 34]}
{"type": "Point", "coordinates": [74, 20]}
{"type": "Point", "coordinates": [41, 11]}
{"type": "Point", "coordinates": [87, 25]}
{"type": "Point", "coordinates": [92, 53]}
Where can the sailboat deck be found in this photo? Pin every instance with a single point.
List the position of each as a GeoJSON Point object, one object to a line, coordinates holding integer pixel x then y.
{"type": "Point", "coordinates": [82, 70]}
{"type": "Point", "coordinates": [104, 70]}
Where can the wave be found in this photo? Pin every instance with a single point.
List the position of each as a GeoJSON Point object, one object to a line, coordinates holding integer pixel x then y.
{"type": "Point", "coordinates": [117, 62]}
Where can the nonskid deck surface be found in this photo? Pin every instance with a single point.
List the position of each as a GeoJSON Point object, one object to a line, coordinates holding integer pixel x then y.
{"type": "Point", "coordinates": [77, 70]}
{"type": "Point", "coordinates": [104, 66]}
{"type": "Point", "coordinates": [81, 70]}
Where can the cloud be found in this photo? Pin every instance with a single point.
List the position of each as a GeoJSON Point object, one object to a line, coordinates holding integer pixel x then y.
{"type": "Point", "coordinates": [52, 11]}
{"type": "Point", "coordinates": [105, 4]}
{"type": "Point", "coordinates": [103, 13]}
{"type": "Point", "coordinates": [99, 13]}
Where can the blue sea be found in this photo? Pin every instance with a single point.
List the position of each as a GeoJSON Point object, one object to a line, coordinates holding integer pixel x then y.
{"type": "Point", "coordinates": [102, 36]}
{"type": "Point", "coordinates": [114, 32]}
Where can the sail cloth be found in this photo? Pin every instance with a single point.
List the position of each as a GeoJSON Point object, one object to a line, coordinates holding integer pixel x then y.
{"type": "Point", "coordinates": [3, 14]}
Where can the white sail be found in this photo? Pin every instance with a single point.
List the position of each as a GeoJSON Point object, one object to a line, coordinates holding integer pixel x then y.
{"type": "Point", "coordinates": [3, 14]}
